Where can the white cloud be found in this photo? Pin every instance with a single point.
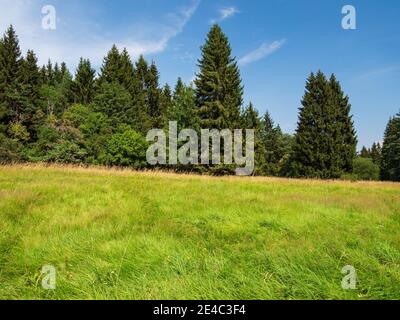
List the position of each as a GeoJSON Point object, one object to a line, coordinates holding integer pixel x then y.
{"type": "Point", "coordinates": [263, 51]}
{"type": "Point", "coordinates": [225, 13]}
{"type": "Point", "coordinates": [76, 36]}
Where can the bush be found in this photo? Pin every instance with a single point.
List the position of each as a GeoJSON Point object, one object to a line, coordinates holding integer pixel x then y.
{"type": "Point", "coordinates": [76, 114]}
{"type": "Point", "coordinates": [66, 152]}
{"type": "Point", "coordinates": [365, 169]}
{"type": "Point", "coordinates": [18, 132]}
{"type": "Point", "coordinates": [127, 148]}
{"type": "Point", "coordinates": [9, 149]}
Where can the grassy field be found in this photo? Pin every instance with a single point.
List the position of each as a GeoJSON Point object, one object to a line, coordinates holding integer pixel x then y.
{"type": "Point", "coordinates": [125, 235]}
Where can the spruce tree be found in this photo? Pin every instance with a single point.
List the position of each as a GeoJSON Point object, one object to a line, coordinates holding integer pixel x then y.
{"type": "Point", "coordinates": [165, 105]}
{"type": "Point", "coordinates": [64, 70]}
{"type": "Point", "coordinates": [113, 100]}
{"type": "Point", "coordinates": [307, 154]}
{"type": "Point", "coordinates": [111, 69]}
{"type": "Point", "coordinates": [365, 152]}
{"type": "Point", "coordinates": [141, 70]}
{"type": "Point", "coordinates": [50, 76]}
{"type": "Point", "coordinates": [3, 106]}
{"type": "Point", "coordinates": [154, 94]}
{"type": "Point", "coordinates": [183, 109]}
{"type": "Point", "coordinates": [376, 153]}
{"type": "Point", "coordinates": [126, 75]}
{"type": "Point", "coordinates": [31, 85]}
{"type": "Point", "coordinates": [390, 162]}
{"type": "Point", "coordinates": [31, 76]}
{"type": "Point", "coordinates": [58, 75]}
{"type": "Point", "coordinates": [270, 140]}
{"type": "Point", "coordinates": [179, 87]}
{"type": "Point", "coordinates": [218, 85]}
{"type": "Point", "coordinates": [342, 129]}
{"type": "Point", "coordinates": [43, 76]}
{"type": "Point", "coordinates": [11, 84]}
{"type": "Point", "coordinates": [251, 120]}
{"type": "Point", "coordinates": [325, 144]}
{"type": "Point", "coordinates": [144, 121]}
{"type": "Point", "coordinates": [83, 87]}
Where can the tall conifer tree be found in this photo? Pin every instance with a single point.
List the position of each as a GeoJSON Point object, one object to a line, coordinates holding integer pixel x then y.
{"type": "Point", "coordinates": [344, 140]}
{"type": "Point", "coordinates": [110, 71]}
{"type": "Point", "coordinates": [126, 75]}
{"type": "Point", "coordinates": [153, 94]}
{"type": "Point", "coordinates": [218, 85]}
{"type": "Point", "coordinates": [83, 87]}
{"type": "Point", "coordinates": [325, 144]}
{"type": "Point", "coordinates": [11, 84]}
{"type": "Point", "coordinates": [390, 163]}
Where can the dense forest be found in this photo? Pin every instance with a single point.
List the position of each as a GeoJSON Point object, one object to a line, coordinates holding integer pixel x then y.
{"type": "Point", "coordinates": [49, 115]}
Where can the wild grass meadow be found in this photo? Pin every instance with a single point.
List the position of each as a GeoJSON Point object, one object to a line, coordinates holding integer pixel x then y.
{"type": "Point", "coordinates": [115, 234]}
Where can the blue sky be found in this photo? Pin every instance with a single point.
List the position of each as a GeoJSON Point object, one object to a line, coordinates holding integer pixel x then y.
{"type": "Point", "coordinates": [277, 42]}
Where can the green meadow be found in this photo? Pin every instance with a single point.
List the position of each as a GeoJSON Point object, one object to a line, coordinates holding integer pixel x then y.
{"type": "Point", "coordinates": [114, 234]}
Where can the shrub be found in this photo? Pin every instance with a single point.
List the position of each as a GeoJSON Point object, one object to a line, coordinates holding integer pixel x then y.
{"type": "Point", "coordinates": [9, 149]}
{"type": "Point", "coordinates": [127, 148]}
{"type": "Point", "coordinates": [66, 152]}
{"type": "Point", "coordinates": [76, 114]}
{"type": "Point", "coordinates": [365, 169]}
{"type": "Point", "coordinates": [18, 132]}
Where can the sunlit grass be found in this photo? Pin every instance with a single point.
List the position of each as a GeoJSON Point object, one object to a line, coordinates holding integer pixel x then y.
{"type": "Point", "coordinates": [116, 234]}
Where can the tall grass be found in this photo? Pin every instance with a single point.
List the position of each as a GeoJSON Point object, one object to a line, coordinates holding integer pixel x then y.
{"type": "Point", "coordinates": [116, 234]}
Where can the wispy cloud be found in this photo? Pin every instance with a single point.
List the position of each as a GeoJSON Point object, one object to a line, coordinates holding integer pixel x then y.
{"type": "Point", "coordinates": [226, 13]}
{"type": "Point", "coordinates": [379, 72]}
{"type": "Point", "coordinates": [263, 51]}
{"type": "Point", "coordinates": [72, 39]}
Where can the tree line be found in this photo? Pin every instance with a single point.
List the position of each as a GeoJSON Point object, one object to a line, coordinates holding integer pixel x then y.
{"type": "Point", "coordinates": [49, 115]}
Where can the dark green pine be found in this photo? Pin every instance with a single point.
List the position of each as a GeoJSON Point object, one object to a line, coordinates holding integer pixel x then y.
{"type": "Point", "coordinates": [83, 88]}
{"type": "Point", "coordinates": [390, 162]}
{"type": "Point", "coordinates": [325, 143]}
{"type": "Point", "coordinates": [343, 131]}
{"type": "Point", "coordinates": [110, 70]}
{"type": "Point", "coordinates": [11, 85]}
{"type": "Point", "coordinates": [31, 80]}
{"type": "Point", "coordinates": [126, 76]}
{"type": "Point", "coordinates": [218, 85]}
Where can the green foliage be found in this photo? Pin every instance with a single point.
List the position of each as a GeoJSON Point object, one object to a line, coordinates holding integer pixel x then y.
{"type": "Point", "coordinates": [183, 108]}
{"type": "Point", "coordinates": [66, 152]}
{"type": "Point", "coordinates": [154, 94]}
{"type": "Point", "coordinates": [325, 141]}
{"type": "Point", "coordinates": [9, 149]}
{"type": "Point", "coordinates": [276, 145]}
{"type": "Point", "coordinates": [115, 102]}
{"type": "Point", "coordinates": [111, 69]}
{"type": "Point", "coordinates": [12, 89]}
{"type": "Point", "coordinates": [218, 85]}
{"type": "Point", "coordinates": [55, 138]}
{"type": "Point", "coordinates": [390, 163]}
{"type": "Point", "coordinates": [127, 148]}
{"type": "Point", "coordinates": [31, 78]}
{"type": "Point", "coordinates": [375, 153]}
{"type": "Point", "coordinates": [83, 88]}
{"type": "Point", "coordinates": [46, 113]}
{"type": "Point", "coordinates": [76, 114]}
{"type": "Point", "coordinates": [18, 132]}
{"type": "Point", "coordinates": [97, 133]}
{"type": "Point", "coordinates": [365, 169]}
{"type": "Point", "coordinates": [251, 120]}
